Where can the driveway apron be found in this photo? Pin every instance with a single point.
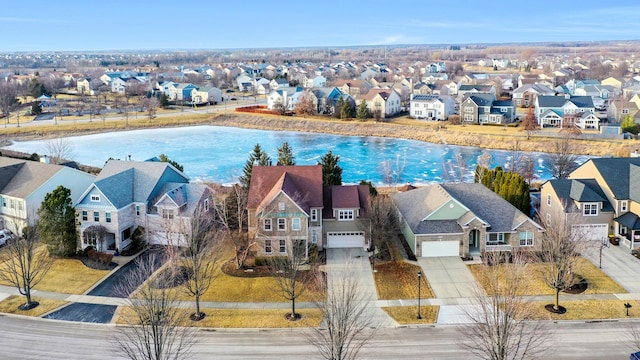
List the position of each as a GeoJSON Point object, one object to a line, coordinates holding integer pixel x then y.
{"type": "Point", "coordinates": [342, 263]}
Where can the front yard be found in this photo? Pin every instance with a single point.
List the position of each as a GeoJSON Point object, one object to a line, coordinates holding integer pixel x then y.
{"type": "Point", "coordinates": [11, 303]}
{"type": "Point", "coordinates": [598, 281]}
{"type": "Point", "coordinates": [399, 280]}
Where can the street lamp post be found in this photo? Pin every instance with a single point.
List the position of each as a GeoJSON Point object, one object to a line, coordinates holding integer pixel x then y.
{"type": "Point", "coordinates": [419, 317]}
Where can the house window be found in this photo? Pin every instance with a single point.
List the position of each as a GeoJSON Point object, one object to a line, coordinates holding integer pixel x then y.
{"type": "Point", "coordinates": [314, 214]}
{"type": "Point", "coordinates": [590, 209]}
{"type": "Point", "coordinates": [267, 246]}
{"type": "Point", "coordinates": [623, 205]}
{"type": "Point", "coordinates": [282, 224]}
{"type": "Point", "coordinates": [345, 215]}
{"type": "Point", "coordinates": [281, 206]}
{"type": "Point", "coordinates": [625, 111]}
{"type": "Point", "coordinates": [90, 238]}
{"type": "Point", "coordinates": [548, 218]}
{"type": "Point", "coordinates": [623, 230]}
{"type": "Point", "coordinates": [19, 205]}
{"type": "Point", "coordinates": [96, 216]}
{"type": "Point", "coordinates": [85, 216]}
{"type": "Point", "coordinates": [95, 197]}
{"type": "Point", "coordinates": [137, 210]}
{"type": "Point", "coordinates": [495, 239]}
{"type": "Point", "coordinates": [107, 217]}
{"type": "Point", "coordinates": [526, 238]}
{"type": "Point", "coordinates": [548, 199]}
{"type": "Point", "coordinates": [206, 204]}
{"type": "Point", "coordinates": [468, 109]}
{"type": "Point", "coordinates": [283, 246]}
{"type": "Point", "coordinates": [468, 118]}
{"type": "Point", "coordinates": [12, 203]}
{"type": "Point", "coordinates": [167, 213]}
{"type": "Point", "coordinates": [3, 201]}
{"type": "Point", "coordinates": [266, 225]}
{"type": "Point", "coordinates": [503, 109]}
{"type": "Point", "coordinates": [295, 224]}
{"type": "Point", "coordinates": [314, 236]}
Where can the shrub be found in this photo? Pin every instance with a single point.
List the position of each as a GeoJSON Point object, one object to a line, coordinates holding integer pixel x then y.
{"type": "Point", "coordinates": [99, 256]}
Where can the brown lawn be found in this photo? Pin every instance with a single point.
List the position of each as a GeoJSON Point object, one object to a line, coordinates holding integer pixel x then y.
{"type": "Point", "coordinates": [399, 280]}
{"type": "Point", "coordinates": [599, 282]}
{"type": "Point", "coordinates": [11, 303]}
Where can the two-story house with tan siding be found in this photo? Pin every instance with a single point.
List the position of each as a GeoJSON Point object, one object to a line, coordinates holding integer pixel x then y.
{"type": "Point", "coordinates": [130, 194]}
{"type": "Point", "coordinates": [619, 179]}
{"type": "Point", "coordinates": [289, 206]}
{"type": "Point", "coordinates": [580, 201]}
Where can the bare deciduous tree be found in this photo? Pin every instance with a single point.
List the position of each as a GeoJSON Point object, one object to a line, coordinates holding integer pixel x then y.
{"type": "Point", "coordinates": [59, 150]}
{"type": "Point", "coordinates": [384, 224]}
{"type": "Point", "coordinates": [231, 214]}
{"type": "Point", "coordinates": [500, 328]}
{"type": "Point", "coordinates": [392, 172]}
{"type": "Point", "coordinates": [200, 257]}
{"type": "Point", "coordinates": [293, 273]}
{"type": "Point", "coordinates": [8, 99]}
{"type": "Point", "coordinates": [560, 247]}
{"type": "Point", "coordinates": [25, 263]}
{"type": "Point", "coordinates": [563, 158]}
{"type": "Point", "coordinates": [151, 105]}
{"type": "Point", "coordinates": [155, 325]}
{"type": "Point", "coordinates": [347, 324]}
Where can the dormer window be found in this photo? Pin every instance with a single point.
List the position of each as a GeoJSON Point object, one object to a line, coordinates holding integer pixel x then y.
{"type": "Point", "coordinates": [345, 215]}
{"type": "Point", "coordinates": [590, 209]}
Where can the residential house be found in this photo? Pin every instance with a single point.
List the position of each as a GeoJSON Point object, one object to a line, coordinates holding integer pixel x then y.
{"type": "Point", "coordinates": [315, 82]}
{"type": "Point", "coordinates": [385, 102]}
{"type": "Point", "coordinates": [526, 94]}
{"type": "Point", "coordinates": [244, 82]}
{"type": "Point", "coordinates": [118, 85]}
{"type": "Point", "coordinates": [603, 195]}
{"type": "Point", "coordinates": [24, 184]}
{"type": "Point", "coordinates": [431, 107]}
{"type": "Point", "coordinates": [278, 83]}
{"type": "Point", "coordinates": [83, 85]}
{"type": "Point", "coordinates": [619, 109]}
{"type": "Point", "coordinates": [149, 194]}
{"type": "Point", "coordinates": [564, 111]}
{"type": "Point", "coordinates": [485, 109]}
{"type": "Point", "coordinates": [613, 81]}
{"type": "Point", "coordinates": [206, 94]}
{"type": "Point", "coordinates": [181, 92]}
{"type": "Point", "coordinates": [285, 207]}
{"type": "Point", "coordinates": [465, 90]}
{"type": "Point", "coordinates": [463, 219]}
{"type": "Point", "coordinates": [289, 206]}
{"type": "Point", "coordinates": [328, 98]}
{"type": "Point", "coordinates": [353, 87]}
{"type": "Point", "coordinates": [263, 88]}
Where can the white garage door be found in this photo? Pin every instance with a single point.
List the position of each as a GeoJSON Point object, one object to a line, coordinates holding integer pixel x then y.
{"type": "Point", "coordinates": [345, 239]}
{"type": "Point", "coordinates": [440, 248]}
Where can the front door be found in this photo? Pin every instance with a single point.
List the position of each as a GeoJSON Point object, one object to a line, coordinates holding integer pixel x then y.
{"type": "Point", "coordinates": [474, 240]}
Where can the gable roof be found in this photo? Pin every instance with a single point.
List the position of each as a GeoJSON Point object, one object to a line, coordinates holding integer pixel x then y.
{"type": "Point", "coordinates": [20, 178]}
{"type": "Point", "coordinates": [124, 182]}
{"type": "Point", "coordinates": [482, 203]}
{"type": "Point", "coordinates": [560, 101]}
{"type": "Point", "coordinates": [580, 190]}
{"type": "Point", "coordinates": [303, 184]}
{"type": "Point", "coordinates": [617, 173]}
{"type": "Point", "coordinates": [346, 197]}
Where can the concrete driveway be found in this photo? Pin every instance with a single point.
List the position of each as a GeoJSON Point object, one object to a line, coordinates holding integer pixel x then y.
{"type": "Point", "coordinates": [453, 285]}
{"type": "Point", "coordinates": [619, 264]}
{"type": "Point", "coordinates": [343, 263]}
{"type": "Point", "coordinates": [448, 277]}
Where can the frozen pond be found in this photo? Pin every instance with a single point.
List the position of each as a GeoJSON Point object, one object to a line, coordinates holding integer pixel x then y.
{"type": "Point", "coordinates": [215, 153]}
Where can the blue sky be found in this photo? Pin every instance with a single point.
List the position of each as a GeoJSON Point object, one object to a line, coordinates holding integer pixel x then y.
{"type": "Point", "coordinates": [85, 25]}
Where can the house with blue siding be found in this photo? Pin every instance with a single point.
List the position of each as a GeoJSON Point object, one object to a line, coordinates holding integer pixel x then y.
{"type": "Point", "coordinates": [129, 194]}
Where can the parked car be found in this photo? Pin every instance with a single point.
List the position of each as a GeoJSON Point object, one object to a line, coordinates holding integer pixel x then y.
{"type": "Point", "coordinates": [5, 236]}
